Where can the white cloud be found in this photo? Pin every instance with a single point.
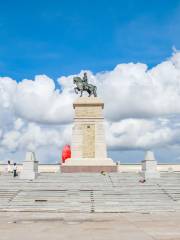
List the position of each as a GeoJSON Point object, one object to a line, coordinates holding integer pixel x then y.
{"type": "Point", "coordinates": [39, 101]}
{"type": "Point", "coordinates": [139, 93]}
{"type": "Point", "coordinates": [141, 107]}
{"type": "Point", "coordinates": [18, 124]}
{"type": "Point", "coordinates": [140, 134]}
{"type": "Point", "coordinates": [10, 140]}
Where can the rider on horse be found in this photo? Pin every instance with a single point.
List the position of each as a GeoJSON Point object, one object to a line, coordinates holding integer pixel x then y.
{"type": "Point", "coordinates": [85, 80]}
{"type": "Point", "coordinates": [83, 85]}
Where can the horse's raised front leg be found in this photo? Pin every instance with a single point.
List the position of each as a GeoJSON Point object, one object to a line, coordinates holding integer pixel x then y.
{"type": "Point", "coordinates": [94, 92]}
{"type": "Point", "coordinates": [76, 90]}
{"type": "Point", "coordinates": [81, 93]}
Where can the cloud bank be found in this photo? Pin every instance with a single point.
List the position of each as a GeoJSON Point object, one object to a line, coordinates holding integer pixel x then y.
{"type": "Point", "coordinates": [142, 109]}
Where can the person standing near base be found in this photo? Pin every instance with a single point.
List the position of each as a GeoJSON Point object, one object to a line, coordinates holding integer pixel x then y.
{"type": "Point", "coordinates": [14, 170]}
{"type": "Point", "coordinates": [9, 170]}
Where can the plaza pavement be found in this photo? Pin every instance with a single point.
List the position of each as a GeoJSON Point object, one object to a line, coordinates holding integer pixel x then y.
{"type": "Point", "coordinates": [88, 226]}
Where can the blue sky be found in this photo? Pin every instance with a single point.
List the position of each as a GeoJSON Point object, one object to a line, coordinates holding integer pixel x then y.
{"type": "Point", "coordinates": [62, 37]}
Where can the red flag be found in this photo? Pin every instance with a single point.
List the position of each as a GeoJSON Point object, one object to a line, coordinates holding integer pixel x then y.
{"type": "Point", "coordinates": [66, 152]}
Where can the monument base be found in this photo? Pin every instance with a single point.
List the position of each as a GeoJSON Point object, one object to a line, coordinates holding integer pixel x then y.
{"type": "Point", "coordinates": [87, 169]}
{"type": "Point", "coordinates": [88, 165]}
{"type": "Point", "coordinates": [89, 162]}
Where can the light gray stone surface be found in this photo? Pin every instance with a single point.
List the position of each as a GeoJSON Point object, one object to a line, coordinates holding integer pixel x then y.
{"type": "Point", "coordinates": [114, 192]}
{"type": "Point", "coordinates": [30, 167]}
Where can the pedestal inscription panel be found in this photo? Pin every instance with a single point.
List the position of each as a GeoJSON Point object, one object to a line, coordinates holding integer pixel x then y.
{"type": "Point", "coordinates": [88, 141]}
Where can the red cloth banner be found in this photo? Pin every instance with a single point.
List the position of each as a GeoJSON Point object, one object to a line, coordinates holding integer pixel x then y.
{"type": "Point", "coordinates": [66, 153]}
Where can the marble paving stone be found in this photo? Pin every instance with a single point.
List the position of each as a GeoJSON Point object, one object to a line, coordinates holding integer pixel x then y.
{"type": "Point", "coordinates": [86, 193]}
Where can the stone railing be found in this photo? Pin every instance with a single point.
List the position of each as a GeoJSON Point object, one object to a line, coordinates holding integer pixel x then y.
{"type": "Point", "coordinates": [162, 167]}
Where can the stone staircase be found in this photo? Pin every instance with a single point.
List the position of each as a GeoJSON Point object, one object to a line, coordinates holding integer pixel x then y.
{"type": "Point", "coordinates": [78, 192]}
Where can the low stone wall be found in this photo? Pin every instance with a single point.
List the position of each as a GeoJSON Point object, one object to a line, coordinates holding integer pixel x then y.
{"type": "Point", "coordinates": [121, 167]}
{"type": "Point", "coordinates": [41, 167]}
{"type": "Point", "coordinates": [163, 167]}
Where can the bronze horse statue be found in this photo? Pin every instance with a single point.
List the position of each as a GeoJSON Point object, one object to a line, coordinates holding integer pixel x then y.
{"type": "Point", "coordinates": [82, 86]}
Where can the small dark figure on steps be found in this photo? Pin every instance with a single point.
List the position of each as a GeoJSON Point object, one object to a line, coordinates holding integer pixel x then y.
{"type": "Point", "coordinates": [103, 173]}
{"type": "Point", "coordinates": [142, 180]}
{"type": "Point", "coordinates": [14, 170]}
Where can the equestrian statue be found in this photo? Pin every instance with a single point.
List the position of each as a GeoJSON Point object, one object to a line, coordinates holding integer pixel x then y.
{"type": "Point", "coordinates": [82, 85]}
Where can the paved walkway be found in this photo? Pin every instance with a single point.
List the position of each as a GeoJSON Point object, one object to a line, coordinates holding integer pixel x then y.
{"type": "Point", "coordinates": [88, 226]}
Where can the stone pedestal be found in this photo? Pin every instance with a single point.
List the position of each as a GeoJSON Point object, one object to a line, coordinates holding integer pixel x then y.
{"type": "Point", "coordinates": [30, 167]}
{"type": "Point", "coordinates": [88, 147]}
{"type": "Point", "coordinates": [149, 166]}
